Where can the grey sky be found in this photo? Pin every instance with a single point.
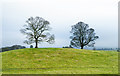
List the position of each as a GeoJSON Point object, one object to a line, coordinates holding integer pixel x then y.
{"type": "Point", "coordinates": [102, 15]}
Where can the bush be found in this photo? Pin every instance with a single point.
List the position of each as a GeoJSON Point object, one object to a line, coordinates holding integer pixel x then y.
{"type": "Point", "coordinates": [31, 46]}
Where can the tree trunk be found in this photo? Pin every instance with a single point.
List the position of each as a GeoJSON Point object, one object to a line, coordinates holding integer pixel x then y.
{"type": "Point", "coordinates": [36, 43]}
{"type": "Point", "coordinates": [81, 47]}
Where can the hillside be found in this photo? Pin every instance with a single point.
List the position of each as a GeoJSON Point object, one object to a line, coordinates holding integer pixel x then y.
{"type": "Point", "coordinates": [59, 61]}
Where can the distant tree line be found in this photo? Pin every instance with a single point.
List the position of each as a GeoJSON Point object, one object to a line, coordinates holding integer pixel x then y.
{"type": "Point", "coordinates": [3, 49]}
{"type": "Point", "coordinates": [67, 46]}
{"type": "Point", "coordinates": [106, 48]}
{"type": "Point", "coordinates": [117, 49]}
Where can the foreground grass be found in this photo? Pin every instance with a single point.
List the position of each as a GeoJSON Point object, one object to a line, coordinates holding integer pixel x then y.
{"type": "Point", "coordinates": [59, 61]}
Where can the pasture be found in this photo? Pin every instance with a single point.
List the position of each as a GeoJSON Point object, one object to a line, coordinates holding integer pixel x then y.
{"type": "Point", "coordinates": [59, 61]}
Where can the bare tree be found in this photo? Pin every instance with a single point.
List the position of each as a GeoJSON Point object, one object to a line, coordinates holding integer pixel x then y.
{"type": "Point", "coordinates": [36, 31]}
{"type": "Point", "coordinates": [82, 35]}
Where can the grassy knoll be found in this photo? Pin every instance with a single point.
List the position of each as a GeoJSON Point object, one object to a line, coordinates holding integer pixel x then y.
{"type": "Point", "coordinates": [59, 61]}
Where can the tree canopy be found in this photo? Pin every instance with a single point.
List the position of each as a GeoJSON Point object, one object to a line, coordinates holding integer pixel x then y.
{"type": "Point", "coordinates": [37, 31]}
{"type": "Point", "coordinates": [82, 35]}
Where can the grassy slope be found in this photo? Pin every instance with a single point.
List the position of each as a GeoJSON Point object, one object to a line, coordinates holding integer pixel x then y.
{"type": "Point", "coordinates": [59, 61]}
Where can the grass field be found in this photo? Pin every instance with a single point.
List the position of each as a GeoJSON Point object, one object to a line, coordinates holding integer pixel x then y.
{"type": "Point", "coordinates": [59, 61]}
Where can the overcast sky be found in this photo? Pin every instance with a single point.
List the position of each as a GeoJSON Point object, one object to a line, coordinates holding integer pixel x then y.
{"type": "Point", "coordinates": [102, 15]}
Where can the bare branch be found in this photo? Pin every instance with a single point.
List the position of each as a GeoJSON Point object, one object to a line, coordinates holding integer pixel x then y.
{"type": "Point", "coordinates": [35, 31]}
{"type": "Point", "coordinates": [82, 35]}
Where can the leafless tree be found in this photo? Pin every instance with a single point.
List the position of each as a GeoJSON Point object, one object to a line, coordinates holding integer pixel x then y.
{"type": "Point", "coordinates": [37, 31]}
{"type": "Point", "coordinates": [82, 35]}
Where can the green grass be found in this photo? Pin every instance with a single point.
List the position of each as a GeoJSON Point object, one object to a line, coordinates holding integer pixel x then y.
{"type": "Point", "coordinates": [59, 61]}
